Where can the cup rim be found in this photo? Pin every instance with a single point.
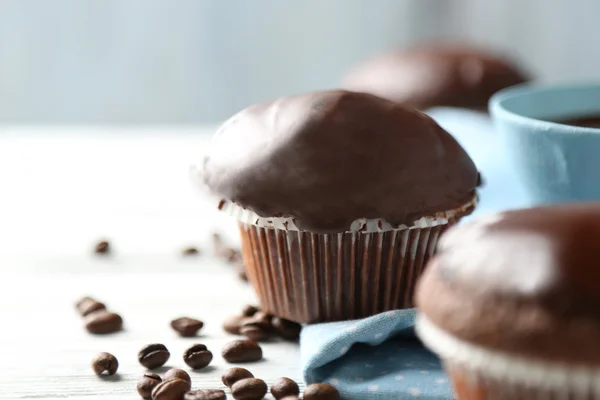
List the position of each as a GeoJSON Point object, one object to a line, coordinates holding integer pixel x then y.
{"type": "Point", "coordinates": [498, 110]}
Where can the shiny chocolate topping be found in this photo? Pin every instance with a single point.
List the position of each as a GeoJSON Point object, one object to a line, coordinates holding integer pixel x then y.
{"type": "Point", "coordinates": [525, 282]}
{"type": "Point", "coordinates": [435, 75]}
{"type": "Point", "coordinates": [329, 158]}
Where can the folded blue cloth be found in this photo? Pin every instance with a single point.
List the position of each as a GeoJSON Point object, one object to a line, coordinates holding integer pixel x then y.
{"type": "Point", "coordinates": [379, 357]}
{"type": "Point", "coordinates": [373, 358]}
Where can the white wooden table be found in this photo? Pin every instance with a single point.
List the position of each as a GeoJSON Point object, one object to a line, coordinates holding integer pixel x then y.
{"type": "Point", "coordinates": [63, 189]}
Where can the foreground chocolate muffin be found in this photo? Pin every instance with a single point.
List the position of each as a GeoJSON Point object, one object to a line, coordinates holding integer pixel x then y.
{"type": "Point", "coordinates": [435, 75]}
{"type": "Point", "coordinates": [511, 303]}
{"type": "Point", "coordinates": [340, 198]}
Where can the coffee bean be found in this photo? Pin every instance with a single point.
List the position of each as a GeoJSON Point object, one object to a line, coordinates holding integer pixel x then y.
{"type": "Point", "coordinates": [233, 324]}
{"type": "Point", "coordinates": [286, 329]}
{"type": "Point", "coordinates": [259, 319]}
{"type": "Point", "coordinates": [190, 251]}
{"type": "Point", "coordinates": [232, 375]}
{"type": "Point", "coordinates": [205, 394]}
{"type": "Point", "coordinates": [102, 321]}
{"type": "Point", "coordinates": [197, 356]}
{"type": "Point", "coordinates": [321, 391]}
{"type": "Point", "coordinates": [187, 326]}
{"type": "Point", "coordinates": [146, 384]}
{"type": "Point", "coordinates": [240, 351]}
{"type": "Point", "coordinates": [284, 387]}
{"type": "Point", "coordinates": [176, 373]}
{"type": "Point", "coordinates": [153, 355]}
{"type": "Point", "coordinates": [173, 389]}
{"type": "Point", "coordinates": [88, 305]}
{"type": "Point", "coordinates": [254, 332]}
{"type": "Point", "coordinates": [249, 310]}
{"type": "Point", "coordinates": [105, 363]}
{"type": "Point", "coordinates": [249, 389]}
{"type": "Point", "coordinates": [102, 247]}
{"type": "Point", "coordinates": [243, 275]}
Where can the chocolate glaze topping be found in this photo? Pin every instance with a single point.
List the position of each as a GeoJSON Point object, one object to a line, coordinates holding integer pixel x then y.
{"type": "Point", "coordinates": [525, 282]}
{"type": "Point", "coordinates": [435, 75]}
{"type": "Point", "coordinates": [329, 158]}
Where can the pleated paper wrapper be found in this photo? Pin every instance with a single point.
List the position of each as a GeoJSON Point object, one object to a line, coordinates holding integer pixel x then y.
{"type": "Point", "coordinates": [314, 277]}
{"type": "Point", "coordinates": [481, 374]}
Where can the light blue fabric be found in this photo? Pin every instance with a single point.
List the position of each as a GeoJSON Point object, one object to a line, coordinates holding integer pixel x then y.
{"type": "Point", "coordinates": [373, 358]}
{"type": "Point", "coordinates": [379, 357]}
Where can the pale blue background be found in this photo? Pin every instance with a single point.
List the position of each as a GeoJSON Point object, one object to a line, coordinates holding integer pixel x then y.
{"type": "Point", "coordinates": [196, 61]}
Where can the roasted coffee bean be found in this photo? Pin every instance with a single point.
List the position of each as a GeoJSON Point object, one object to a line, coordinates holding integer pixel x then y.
{"type": "Point", "coordinates": [190, 251]}
{"type": "Point", "coordinates": [176, 373]}
{"type": "Point", "coordinates": [243, 275]}
{"type": "Point", "coordinates": [197, 356]}
{"type": "Point", "coordinates": [284, 387]}
{"type": "Point", "coordinates": [187, 326]}
{"type": "Point", "coordinates": [153, 355]}
{"type": "Point", "coordinates": [146, 385]}
{"type": "Point", "coordinates": [205, 394]}
{"type": "Point", "coordinates": [101, 322]}
{"type": "Point", "coordinates": [321, 391]}
{"type": "Point", "coordinates": [249, 311]}
{"type": "Point", "coordinates": [259, 319]}
{"type": "Point", "coordinates": [105, 363]}
{"type": "Point", "coordinates": [286, 329]}
{"type": "Point", "coordinates": [233, 324]}
{"type": "Point", "coordinates": [88, 305]}
{"type": "Point", "coordinates": [232, 375]}
{"type": "Point", "coordinates": [254, 332]}
{"type": "Point", "coordinates": [102, 247]}
{"type": "Point", "coordinates": [173, 389]}
{"type": "Point", "coordinates": [249, 389]}
{"type": "Point", "coordinates": [240, 351]}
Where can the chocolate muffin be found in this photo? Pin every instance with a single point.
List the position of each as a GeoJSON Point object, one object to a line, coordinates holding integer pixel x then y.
{"type": "Point", "coordinates": [340, 198]}
{"type": "Point", "coordinates": [511, 303]}
{"type": "Point", "coordinates": [435, 75]}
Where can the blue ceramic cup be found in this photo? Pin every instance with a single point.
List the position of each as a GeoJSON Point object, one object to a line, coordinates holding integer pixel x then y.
{"type": "Point", "coordinates": [556, 163]}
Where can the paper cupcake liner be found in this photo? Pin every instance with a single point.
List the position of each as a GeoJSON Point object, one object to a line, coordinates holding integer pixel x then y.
{"type": "Point", "coordinates": [481, 374]}
{"type": "Point", "coordinates": [358, 225]}
{"type": "Point", "coordinates": [309, 277]}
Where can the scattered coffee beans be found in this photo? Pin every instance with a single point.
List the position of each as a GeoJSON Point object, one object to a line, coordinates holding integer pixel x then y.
{"type": "Point", "coordinates": [206, 394]}
{"type": "Point", "coordinates": [249, 311]}
{"type": "Point", "coordinates": [286, 329]}
{"type": "Point", "coordinates": [153, 355]}
{"type": "Point", "coordinates": [187, 326]}
{"type": "Point", "coordinates": [102, 247]}
{"type": "Point", "coordinates": [233, 324]}
{"type": "Point", "coordinates": [146, 384]}
{"type": "Point", "coordinates": [88, 305]}
{"type": "Point", "coordinates": [321, 391]}
{"type": "Point", "coordinates": [190, 251]}
{"type": "Point", "coordinates": [176, 373]}
{"type": "Point", "coordinates": [102, 321]}
{"type": "Point", "coordinates": [254, 332]}
{"type": "Point", "coordinates": [105, 363]}
{"type": "Point", "coordinates": [197, 356]}
{"type": "Point", "coordinates": [284, 387]}
{"type": "Point", "coordinates": [232, 375]}
{"type": "Point", "coordinates": [240, 351]}
{"type": "Point", "coordinates": [173, 389]}
{"type": "Point", "coordinates": [249, 389]}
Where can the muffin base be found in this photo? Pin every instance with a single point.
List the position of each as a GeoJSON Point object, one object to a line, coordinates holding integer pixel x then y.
{"type": "Point", "coordinates": [309, 277]}
{"type": "Point", "coordinates": [481, 374]}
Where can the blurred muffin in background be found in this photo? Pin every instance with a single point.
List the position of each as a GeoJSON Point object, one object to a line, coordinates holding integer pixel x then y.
{"type": "Point", "coordinates": [435, 75]}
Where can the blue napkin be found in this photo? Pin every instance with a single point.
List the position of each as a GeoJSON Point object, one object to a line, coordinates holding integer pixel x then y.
{"type": "Point", "coordinates": [374, 358]}
{"type": "Point", "coordinates": [380, 357]}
